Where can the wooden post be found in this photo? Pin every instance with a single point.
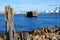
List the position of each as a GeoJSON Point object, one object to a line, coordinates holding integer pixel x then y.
{"type": "Point", "coordinates": [9, 23]}
{"type": "Point", "coordinates": [24, 35]}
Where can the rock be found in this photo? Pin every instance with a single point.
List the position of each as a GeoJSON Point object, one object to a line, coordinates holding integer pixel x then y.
{"type": "Point", "coordinates": [35, 37]}
{"type": "Point", "coordinates": [1, 39]}
{"type": "Point", "coordinates": [40, 38]}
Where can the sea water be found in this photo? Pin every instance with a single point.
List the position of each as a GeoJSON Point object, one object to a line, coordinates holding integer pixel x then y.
{"type": "Point", "coordinates": [23, 23]}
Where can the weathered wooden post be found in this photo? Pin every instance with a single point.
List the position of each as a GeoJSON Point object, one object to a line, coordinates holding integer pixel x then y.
{"type": "Point", "coordinates": [24, 35]}
{"type": "Point", "coordinates": [9, 23]}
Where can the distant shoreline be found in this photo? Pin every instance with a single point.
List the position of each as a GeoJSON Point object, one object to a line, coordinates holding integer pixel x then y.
{"type": "Point", "coordinates": [38, 13]}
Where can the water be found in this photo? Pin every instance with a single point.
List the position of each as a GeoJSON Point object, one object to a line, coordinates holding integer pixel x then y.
{"type": "Point", "coordinates": [27, 24]}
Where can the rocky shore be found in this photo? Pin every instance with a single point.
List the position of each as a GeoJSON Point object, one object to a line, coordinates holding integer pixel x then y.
{"type": "Point", "coordinates": [42, 34]}
{"type": "Point", "coordinates": [46, 34]}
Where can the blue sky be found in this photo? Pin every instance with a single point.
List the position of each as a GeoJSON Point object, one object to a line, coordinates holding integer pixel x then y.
{"type": "Point", "coordinates": [30, 5]}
